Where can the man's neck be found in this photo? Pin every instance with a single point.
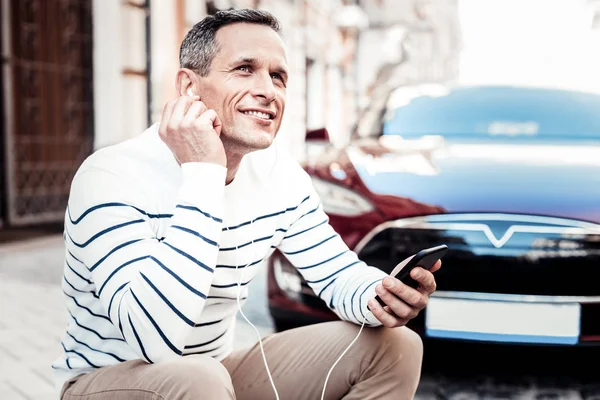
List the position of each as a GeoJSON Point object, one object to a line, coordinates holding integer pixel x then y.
{"type": "Point", "coordinates": [233, 165]}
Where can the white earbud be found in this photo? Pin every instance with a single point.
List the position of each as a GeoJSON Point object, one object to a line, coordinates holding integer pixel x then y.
{"type": "Point", "coordinates": [190, 92]}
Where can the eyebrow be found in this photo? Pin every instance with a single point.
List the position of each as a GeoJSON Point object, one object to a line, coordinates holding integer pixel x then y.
{"type": "Point", "coordinates": [253, 61]}
{"type": "Point", "coordinates": [244, 60]}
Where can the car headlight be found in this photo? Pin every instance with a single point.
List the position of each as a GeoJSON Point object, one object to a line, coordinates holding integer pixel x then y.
{"type": "Point", "coordinates": [286, 276]}
{"type": "Point", "coordinates": [339, 200]}
{"type": "Point", "coordinates": [289, 279]}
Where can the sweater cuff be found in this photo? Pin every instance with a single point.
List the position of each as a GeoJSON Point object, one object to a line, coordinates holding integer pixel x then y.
{"type": "Point", "coordinates": [200, 179]}
{"type": "Point", "coordinates": [371, 294]}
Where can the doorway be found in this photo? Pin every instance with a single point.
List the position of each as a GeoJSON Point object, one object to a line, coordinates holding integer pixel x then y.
{"type": "Point", "coordinates": [47, 106]}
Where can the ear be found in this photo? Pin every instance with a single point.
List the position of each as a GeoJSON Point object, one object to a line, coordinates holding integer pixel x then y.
{"type": "Point", "coordinates": [186, 82]}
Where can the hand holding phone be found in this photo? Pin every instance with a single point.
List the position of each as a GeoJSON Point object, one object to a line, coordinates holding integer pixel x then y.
{"type": "Point", "coordinates": [425, 259]}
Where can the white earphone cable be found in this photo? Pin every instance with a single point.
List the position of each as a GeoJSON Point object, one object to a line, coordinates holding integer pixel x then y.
{"type": "Point", "coordinates": [239, 289]}
{"type": "Point", "coordinates": [264, 357]}
{"type": "Point", "coordinates": [340, 357]}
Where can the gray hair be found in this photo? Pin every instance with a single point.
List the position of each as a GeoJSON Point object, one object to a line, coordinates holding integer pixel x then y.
{"type": "Point", "coordinates": [199, 47]}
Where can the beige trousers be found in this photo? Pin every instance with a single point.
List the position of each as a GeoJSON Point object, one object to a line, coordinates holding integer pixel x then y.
{"type": "Point", "coordinates": [382, 364]}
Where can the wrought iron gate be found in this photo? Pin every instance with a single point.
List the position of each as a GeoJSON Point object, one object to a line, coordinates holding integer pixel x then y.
{"type": "Point", "coordinates": [48, 104]}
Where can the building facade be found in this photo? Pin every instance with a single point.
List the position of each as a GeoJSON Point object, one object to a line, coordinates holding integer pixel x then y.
{"type": "Point", "coordinates": [79, 75]}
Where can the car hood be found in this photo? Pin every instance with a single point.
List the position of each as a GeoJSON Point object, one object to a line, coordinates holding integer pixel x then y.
{"type": "Point", "coordinates": [542, 179]}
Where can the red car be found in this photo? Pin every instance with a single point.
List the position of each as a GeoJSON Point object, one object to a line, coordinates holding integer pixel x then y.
{"type": "Point", "coordinates": [507, 177]}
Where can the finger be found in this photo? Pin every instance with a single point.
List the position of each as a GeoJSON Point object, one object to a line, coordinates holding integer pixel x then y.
{"type": "Point", "coordinates": [217, 125]}
{"type": "Point", "coordinates": [436, 266]}
{"type": "Point", "coordinates": [208, 118]}
{"type": "Point", "coordinates": [383, 316]}
{"type": "Point", "coordinates": [426, 280]}
{"type": "Point", "coordinates": [398, 307]}
{"type": "Point", "coordinates": [404, 292]}
{"type": "Point", "coordinates": [181, 108]}
{"type": "Point", "coordinates": [196, 110]}
{"type": "Point", "coordinates": [166, 116]}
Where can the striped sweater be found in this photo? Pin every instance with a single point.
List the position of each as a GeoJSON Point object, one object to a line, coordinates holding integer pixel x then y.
{"type": "Point", "coordinates": [154, 252]}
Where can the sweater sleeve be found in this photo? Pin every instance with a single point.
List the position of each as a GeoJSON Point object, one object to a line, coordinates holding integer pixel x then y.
{"type": "Point", "coordinates": [152, 288]}
{"type": "Point", "coordinates": [332, 270]}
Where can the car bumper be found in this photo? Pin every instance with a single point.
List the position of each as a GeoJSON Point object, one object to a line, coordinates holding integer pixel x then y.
{"type": "Point", "coordinates": [461, 316]}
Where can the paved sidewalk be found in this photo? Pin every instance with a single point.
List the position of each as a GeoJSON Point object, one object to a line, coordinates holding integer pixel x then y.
{"type": "Point", "coordinates": [33, 318]}
{"type": "Point", "coordinates": [32, 321]}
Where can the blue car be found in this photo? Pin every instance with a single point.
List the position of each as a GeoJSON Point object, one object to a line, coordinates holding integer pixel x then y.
{"type": "Point", "coordinates": [507, 177]}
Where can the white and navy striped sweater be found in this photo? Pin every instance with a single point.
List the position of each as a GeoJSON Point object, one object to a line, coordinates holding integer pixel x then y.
{"type": "Point", "coordinates": [152, 249]}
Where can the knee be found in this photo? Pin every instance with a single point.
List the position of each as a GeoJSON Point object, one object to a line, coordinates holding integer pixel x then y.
{"type": "Point", "coordinates": [399, 346]}
{"type": "Point", "coordinates": [196, 376]}
{"type": "Point", "coordinates": [406, 344]}
{"type": "Point", "coordinates": [399, 360]}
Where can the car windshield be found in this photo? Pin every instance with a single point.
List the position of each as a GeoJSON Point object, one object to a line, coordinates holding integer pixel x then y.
{"type": "Point", "coordinates": [492, 112]}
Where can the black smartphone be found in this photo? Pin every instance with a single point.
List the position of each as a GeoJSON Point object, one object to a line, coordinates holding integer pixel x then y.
{"type": "Point", "coordinates": [425, 259]}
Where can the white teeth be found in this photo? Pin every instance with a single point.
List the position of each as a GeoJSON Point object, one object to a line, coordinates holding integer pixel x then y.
{"type": "Point", "coordinates": [258, 114]}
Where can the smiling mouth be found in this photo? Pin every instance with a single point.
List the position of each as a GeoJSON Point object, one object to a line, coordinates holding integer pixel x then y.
{"type": "Point", "coordinates": [259, 114]}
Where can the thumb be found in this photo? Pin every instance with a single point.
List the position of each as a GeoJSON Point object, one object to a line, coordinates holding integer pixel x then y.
{"type": "Point", "coordinates": [217, 125]}
{"type": "Point", "coordinates": [210, 117]}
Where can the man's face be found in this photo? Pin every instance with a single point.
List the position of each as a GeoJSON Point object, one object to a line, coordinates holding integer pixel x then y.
{"type": "Point", "coordinates": [246, 86]}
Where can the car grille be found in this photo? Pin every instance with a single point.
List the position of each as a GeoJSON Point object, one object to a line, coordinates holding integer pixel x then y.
{"type": "Point", "coordinates": [513, 255]}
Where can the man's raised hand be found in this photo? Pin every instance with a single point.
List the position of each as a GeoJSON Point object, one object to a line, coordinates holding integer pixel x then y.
{"type": "Point", "coordinates": [192, 131]}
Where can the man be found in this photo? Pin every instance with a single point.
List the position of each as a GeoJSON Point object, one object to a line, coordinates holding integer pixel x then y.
{"type": "Point", "coordinates": [163, 232]}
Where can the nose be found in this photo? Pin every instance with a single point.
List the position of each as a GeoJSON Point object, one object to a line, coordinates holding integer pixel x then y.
{"type": "Point", "coordinates": [263, 88]}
